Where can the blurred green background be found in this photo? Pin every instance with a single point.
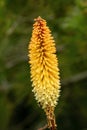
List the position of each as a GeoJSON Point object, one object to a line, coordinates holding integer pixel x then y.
{"type": "Point", "coordinates": [68, 23]}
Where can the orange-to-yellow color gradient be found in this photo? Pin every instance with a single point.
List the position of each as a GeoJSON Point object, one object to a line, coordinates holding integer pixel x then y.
{"type": "Point", "coordinates": [44, 65]}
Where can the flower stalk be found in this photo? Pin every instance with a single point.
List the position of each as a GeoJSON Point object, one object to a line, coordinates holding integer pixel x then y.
{"type": "Point", "coordinates": [44, 69]}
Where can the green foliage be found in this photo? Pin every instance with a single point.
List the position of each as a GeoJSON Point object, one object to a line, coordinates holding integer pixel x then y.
{"type": "Point", "coordinates": [68, 22]}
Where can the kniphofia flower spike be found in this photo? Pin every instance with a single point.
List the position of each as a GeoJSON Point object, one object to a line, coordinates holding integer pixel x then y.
{"type": "Point", "coordinates": [44, 69]}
